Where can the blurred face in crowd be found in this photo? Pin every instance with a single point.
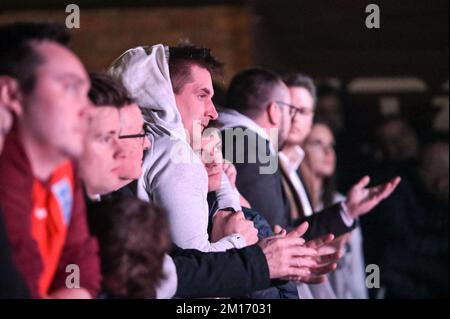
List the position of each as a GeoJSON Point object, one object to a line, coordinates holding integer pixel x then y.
{"type": "Point", "coordinates": [54, 112]}
{"type": "Point", "coordinates": [6, 120]}
{"type": "Point", "coordinates": [302, 99]}
{"type": "Point", "coordinates": [194, 102]}
{"type": "Point", "coordinates": [211, 155]}
{"type": "Point", "coordinates": [330, 107]}
{"type": "Point", "coordinates": [398, 141]}
{"type": "Point", "coordinates": [133, 143]}
{"type": "Point", "coordinates": [99, 164]}
{"type": "Point", "coordinates": [319, 151]}
{"type": "Point", "coordinates": [434, 169]}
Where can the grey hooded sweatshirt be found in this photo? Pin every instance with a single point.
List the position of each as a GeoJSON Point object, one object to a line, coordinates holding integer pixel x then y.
{"type": "Point", "coordinates": [174, 177]}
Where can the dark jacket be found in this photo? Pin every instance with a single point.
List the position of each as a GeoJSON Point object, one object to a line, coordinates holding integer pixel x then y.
{"type": "Point", "coordinates": [408, 237]}
{"type": "Point", "coordinates": [232, 273]}
{"type": "Point", "coordinates": [266, 194]}
{"type": "Point", "coordinates": [215, 274]}
{"type": "Point", "coordinates": [11, 283]}
{"type": "Point", "coordinates": [282, 289]}
{"type": "Point", "coordinates": [16, 180]}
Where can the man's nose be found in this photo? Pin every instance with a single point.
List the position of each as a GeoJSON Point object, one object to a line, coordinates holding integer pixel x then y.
{"type": "Point", "coordinates": [86, 106]}
{"type": "Point", "coordinates": [328, 150]}
{"type": "Point", "coordinates": [83, 115]}
{"type": "Point", "coordinates": [118, 150]}
{"type": "Point", "coordinates": [211, 111]}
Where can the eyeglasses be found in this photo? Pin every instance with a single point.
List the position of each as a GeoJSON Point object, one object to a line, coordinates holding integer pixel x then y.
{"type": "Point", "coordinates": [320, 144]}
{"type": "Point", "coordinates": [140, 135]}
{"type": "Point", "coordinates": [293, 110]}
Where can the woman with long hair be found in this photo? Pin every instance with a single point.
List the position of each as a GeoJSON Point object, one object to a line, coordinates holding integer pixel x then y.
{"type": "Point", "coordinates": [318, 172]}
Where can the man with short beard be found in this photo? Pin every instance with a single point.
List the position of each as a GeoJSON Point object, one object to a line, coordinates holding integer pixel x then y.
{"type": "Point", "coordinates": [173, 87]}
{"type": "Point", "coordinates": [144, 71]}
{"type": "Point", "coordinates": [259, 104]}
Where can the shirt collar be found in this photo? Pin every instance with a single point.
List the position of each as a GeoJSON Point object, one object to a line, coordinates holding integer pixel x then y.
{"type": "Point", "coordinates": [294, 160]}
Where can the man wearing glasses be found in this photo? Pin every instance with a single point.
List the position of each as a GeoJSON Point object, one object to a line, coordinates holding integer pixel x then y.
{"type": "Point", "coordinates": [189, 273]}
{"type": "Point", "coordinates": [303, 95]}
{"type": "Point", "coordinates": [132, 129]}
{"type": "Point", "coordinates": [260, 102]}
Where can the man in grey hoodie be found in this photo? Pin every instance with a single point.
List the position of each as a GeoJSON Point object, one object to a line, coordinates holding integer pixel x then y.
{"type": "Point", "coordinates": [176, 104]}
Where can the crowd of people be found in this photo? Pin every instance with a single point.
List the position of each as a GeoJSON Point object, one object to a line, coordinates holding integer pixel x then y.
{"type": "Point", "coordinates": [136, 179]}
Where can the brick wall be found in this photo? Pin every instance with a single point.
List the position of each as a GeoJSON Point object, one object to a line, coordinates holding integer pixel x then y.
{"type": "Point", "coordinates": [108, 32]}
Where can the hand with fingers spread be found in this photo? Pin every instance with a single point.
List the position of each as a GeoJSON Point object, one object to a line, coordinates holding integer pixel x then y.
{"type": "Point", "coordinates": [226, 223]}
{"type": "Point", "coordinates": [361, 200]}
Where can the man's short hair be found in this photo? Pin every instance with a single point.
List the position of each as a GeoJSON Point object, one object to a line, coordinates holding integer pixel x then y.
{"type": "Point", "coordinates": [251, 90]}
{"type": "Point", "coordinates": [183, 57]}
{"type": "Point", "coordinates": [106, 91]}
{"type": "Point", "coordinates": [18, 57]}
{"type": "Point", "coordinates": [301, 80]}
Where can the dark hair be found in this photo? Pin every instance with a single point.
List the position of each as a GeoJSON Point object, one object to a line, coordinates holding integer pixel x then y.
{"type": "Point", "coordinates": [326, 89]}
{"type": "Point", "coordinates": [329, 188]}
{"type": "Point", "coordinates": [320, 119]}
{"type": "Point", "coordinates": [18, 57]}
{"type": "Point", "coordinates": [106, 91]}
{"type": "Point", "coordinates": [301, 80]}
{"type": "Point", "coordinates": [133, 236]}
{"type": "Point", "coordinates": [184, 56]}
{"type": "Point", "coordinates": [250, 90]}
{"type": "Point", "coordinates": [329, 183]}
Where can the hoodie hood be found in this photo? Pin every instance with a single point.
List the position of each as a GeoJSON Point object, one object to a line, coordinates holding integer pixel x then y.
{"type": "Point", "coordinates": [144, 71]}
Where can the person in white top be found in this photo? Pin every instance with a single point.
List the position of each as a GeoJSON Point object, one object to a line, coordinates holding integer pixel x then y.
{"type": "Point", "coordinates": [303, 95]}
{"type": "Point", "coordinates": [303, 98]}
{"type": "Point", "coordinates": [318, 168]}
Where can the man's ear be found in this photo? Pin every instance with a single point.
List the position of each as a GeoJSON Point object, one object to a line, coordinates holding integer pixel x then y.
{"type": "Point", "coordinates": [273, 113]}
{"type": "Point", "coordinates": [11, 94]}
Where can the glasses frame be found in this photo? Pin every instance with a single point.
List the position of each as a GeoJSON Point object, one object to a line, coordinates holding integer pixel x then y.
{"type": "Point", "coordinates": [293, 110]}
{"type": "Point", "coordinates": [140, 135]}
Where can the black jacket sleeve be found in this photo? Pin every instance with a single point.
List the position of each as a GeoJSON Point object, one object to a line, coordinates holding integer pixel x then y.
{"type": "Point", "coordinates": [234, 272]}
{"type": "Point", "coordinates": [327, 221]}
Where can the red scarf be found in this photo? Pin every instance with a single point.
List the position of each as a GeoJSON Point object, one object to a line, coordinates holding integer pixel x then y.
{"type": "Point", "coordinates": [52, 208]}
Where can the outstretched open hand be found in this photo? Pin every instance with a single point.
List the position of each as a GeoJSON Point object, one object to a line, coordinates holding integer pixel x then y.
{"type": "Point", "coordinates": [361, 200]}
